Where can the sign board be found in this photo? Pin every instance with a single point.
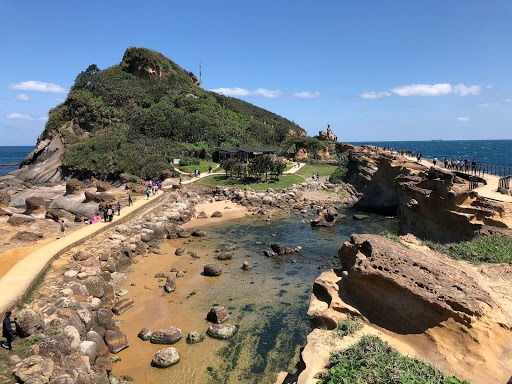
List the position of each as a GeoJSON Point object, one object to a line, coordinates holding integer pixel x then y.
{"type": "Point", "coordinates": [176, 161]}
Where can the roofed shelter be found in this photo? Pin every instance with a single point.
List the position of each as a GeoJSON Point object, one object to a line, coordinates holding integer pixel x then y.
{"type": "Point", "coordinates": [241, 154]}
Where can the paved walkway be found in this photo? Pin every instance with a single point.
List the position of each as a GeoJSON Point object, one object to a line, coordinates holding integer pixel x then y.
{"type": "Point", "coordinates": [490, 190]}
{"type": "Point", "coordinates": [15, 284]}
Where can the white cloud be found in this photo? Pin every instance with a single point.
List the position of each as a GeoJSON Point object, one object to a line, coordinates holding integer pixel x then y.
{"type": "Point", "coordinates": [463, 119]}
{"type": "Point", "coordinates": [20, 116]}
{"type": "Point", "coordinates": [485, 105]}
{"type": "Point", "coordinates": [508, 100]}
{"type": "Point", "coordinates": [246, 92]}
{"type": "Point", "coordinates": [22, 97]}
{"type": "Point", "coordinates": [38, 86]}
{"type": "Point", "coordinates": [306, 95]}
{"type": "Point", "coordinates": [267, 93]}
{"type": "Point", "coordinates": [490, 86]}
{"type": "Point", "coordinates": [440, 89]}
{"type": "Point", "coordinates": [374, 95]}
{"type": "Point", "coordinates": [423, 90]}
{"type": "Point", "coordinates": [462, 90]}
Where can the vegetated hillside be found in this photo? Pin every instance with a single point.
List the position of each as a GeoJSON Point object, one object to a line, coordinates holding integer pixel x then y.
{"type": "Point", "coordinates": [138, 115]}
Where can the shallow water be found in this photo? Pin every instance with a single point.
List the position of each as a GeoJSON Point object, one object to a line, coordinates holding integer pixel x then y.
{"type": "Point", "coordinates": [268, 303]}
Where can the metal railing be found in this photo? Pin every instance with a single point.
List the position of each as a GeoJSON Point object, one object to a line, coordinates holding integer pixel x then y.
{"type": "Point", "coordinates": [483, 169]}
{"type": "Point", "coordinates": [504, 182]}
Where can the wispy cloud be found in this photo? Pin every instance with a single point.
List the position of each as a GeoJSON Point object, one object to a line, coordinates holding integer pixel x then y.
{"type": "Point", "coordinates": [306, 95]}
{"type": "Point", "coordinates": [38, 86]}
{"type": "Point", "coordinates": [440, 89]}
{"type": "Point", "coordinates": [246, 92]}
{"type": "Point", "coordinates": [22, 97]}
{"type": "Point", "coordinates": [508, 100]}
{"type": "Point", "coordinates": [20, 116]}
{"type": "Point", "coordinates": [463, 119]}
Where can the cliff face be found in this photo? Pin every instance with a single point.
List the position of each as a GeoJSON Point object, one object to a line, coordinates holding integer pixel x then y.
{"type": "Point", "coordinates": [431, 203]}
{"type": "Point", "coordinates": [452, 314]}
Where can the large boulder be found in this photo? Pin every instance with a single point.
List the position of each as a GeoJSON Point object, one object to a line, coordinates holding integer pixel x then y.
{"type": "Point", "coordinates": [328, 218]}
{"type": "Point", "coordinates": [169, 335]}
{"type": "Point", "coordinates": [95, 286]}
{"type": "Point", "coordinates": [212, 270]}
{"type": "Point", "coordinates": [35, 207]}
{"type": "Point", "coordinates": [5, 199]}
{"type": "Point", "coordinates": [166, 357]}
{"type": "Point", "coordinates": [218, 314]}
{"type": "Point", "coordinates": [116, 340]}
{"type": "Point", "coordinates": [34, 370]}
{"type": "Point", "coordinates": [29, 322]}
{"type": "Point", "coordinates": [74, 187]}
{"type": "Point", "coordinates": [103, 186]}
{"type": "Point", "coordinates": [122, 306]}
{"type": "Point", "coordinates": [17, 220]}
{"type": "Point", "coordinates": [221, 331]}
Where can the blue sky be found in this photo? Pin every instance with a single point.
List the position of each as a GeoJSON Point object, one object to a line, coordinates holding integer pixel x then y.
{"type": "Point", "coordinates": [373, 70]}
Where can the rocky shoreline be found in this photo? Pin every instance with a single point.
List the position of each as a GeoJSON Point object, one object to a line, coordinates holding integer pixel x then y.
{"type": "Point", "coordinates": [72, 315]}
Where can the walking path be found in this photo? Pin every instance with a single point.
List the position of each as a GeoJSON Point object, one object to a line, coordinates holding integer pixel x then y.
{"type": "Point", "coordinates": [490, 190]}
{"type": "Point", "coordinates": [18, 281]}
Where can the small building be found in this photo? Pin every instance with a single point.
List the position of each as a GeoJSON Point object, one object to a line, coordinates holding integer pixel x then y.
{"type": "Point", "coordinates": [241, 154]}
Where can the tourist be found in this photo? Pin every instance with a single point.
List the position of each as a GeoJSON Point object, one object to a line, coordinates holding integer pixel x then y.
{"type": "Point", "coordinates": [434, 160]}
{"type": "Point", "coordinates": [148, 192]}
{"type": "Point", "coordinates": [110, 213]}
{"type": "Point", "coordinates": [210, 169]}
{"type": "Point", "coordinates": [473, 166]}
{"type": "Point", "coordinates": [105, 214]}
{"type": "Point", "coordinates": [62, 228]}
{"type": "Point", "coordinates": [118, 208]}
{"type": "Point", "coordinates": [130, 201]}
{"type": "Point", "coordinates": [7, 331]}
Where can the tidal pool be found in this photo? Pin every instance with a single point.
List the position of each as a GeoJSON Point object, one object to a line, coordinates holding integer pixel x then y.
{"type": "Point", "coordinates": [268, 304]}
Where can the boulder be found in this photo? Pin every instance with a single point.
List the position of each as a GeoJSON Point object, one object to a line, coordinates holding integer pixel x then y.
{"type": "Point", "coordinates": [35, 206]}
{"type": "Point", "coordinates": [216, 214]}
{"type": "Point", "coordinates": [34, 369]}
{"type": "Point", "coordinates": [278, 248]}
{"type": "Point", "coordinates": [74, 187]}
{"type": "Point", "coordinates": [180, 251]}
{"type": "Point", "coordinates": [122, 306]}
{"type": "Point", "coordinates": [99, 197]}
{"type": "Point", "coordinates": [218, 314]}
{"type": "Point", "coordinates": [26, 236]}
{"type": "Point", "coordinates": [246, 266]}
{"type": "Point", "coordinates": [198, 233]}
{"type": "Point", "coordinates": [194, 337]}
{"type": "Point", "coordinates": [224, 256]}
{"type": "Point", "coordinates": [221, 331]}
{"type": "Point", "coordinates": [166, 357]}
{"type": "Point", "coordinates": [145, 334]}
{"type": "Point", "coordinates": [18, 220]}
{"type": "Point", "coordinates": [101, 348]}
{"type": "Point", "coordinates": [169, 335]}
{"type": "Point", "coordinates": [360, 217]}
{"type": "Point", "coordinates": [89, 349]}
{"type": "Point", "coordinates": [103, 186]}
{"type": "Point", "coordinates": [212, 270]}
{"type": "Point", "coordinates": [328, 218]}
{"type": "Point", "coordinates": [116, 340]}
{"type": "Point", "coordinates": [5, 199]}
{"type": "Point", "coordinates": [170, 283]}
{"type": "Point", "coordinates": [29, 322]}
{"type": "Point", "coordinates": [95, 285]}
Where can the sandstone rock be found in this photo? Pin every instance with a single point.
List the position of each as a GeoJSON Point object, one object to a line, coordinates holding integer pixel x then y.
{"type": "Point", "coordinates": [184, 234]}
{"type": "Point", "coordinates": [73, 336]}
{"type": "Point", "coordinates": [34, 369]}
{"type": "Point", "coordinates": [221, 331]}
{"type": "Point", "coordinates": [27, 237]}
{"type": "Point", "coordinates": [216, 214]}
{"type": "Point", "coordinates": [218, 314]}
{"type": "Point", "coordinates": [101, 348]}
{"type": "Point", "coordinates": [122, 306]}
{"type": "Point", "coordinates": [212, 270]}
{"type": "Point", "coordinates": [29, 322]}
{"type": "Point", "coordinates": [180, 273]}
{"type": "Point", "coordinates": [101, 198]}
{"type": "Point", "coordinates": [169, 335]}
{"type": "Point", "coordinates": [104, 318]}
{"type": "Point", "coordinates": [103, 186]}
{"type": "Point", "coordinates": [116, 340]}
{"type": "Point", "coordinates": [5, 199]}
{"type": "Point", "coordinates": [145, 334]}
{"type": "Point", "coordinates": [180, 251]}
{"type": "Point", "coordinates": [36, 207]}
{"type": "Point", "coordinates": [56, 346]}
{"type": "Point", "coordinates": [166, 357]}
{"type": "Point", "coordinates": [360, 217]}
{"type": "Point", "coordinates": [404, 290]}
{"type": "Point", "coordinates": [194, 337]}
{"type": "Point", "coordinates": [95, 285]}
{"type": "Point", "coordinates": [198, 233]}
{"type": "Point", "coordinates": [89, 349]}
{"type": "Point", "coordinates": [224, 256]}
{"type": "Point", "coordinates": [328, 218]}
{"type": "Point", "coordinates": [74, 187]}
{"type": "Point", "coordinates": [202, 215]}
{"type": "Point", "coordinates": [18, 220]}
{"type": "Point", "coordinates": [170, 283]}
{"type": "Point", "coordinates": [246, 266]}
{"type": "Point", "coordinates": [278, 248]}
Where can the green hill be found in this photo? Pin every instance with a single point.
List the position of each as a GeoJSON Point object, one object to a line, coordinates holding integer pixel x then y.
{"type": "Point", "coordinates": [139, 114]}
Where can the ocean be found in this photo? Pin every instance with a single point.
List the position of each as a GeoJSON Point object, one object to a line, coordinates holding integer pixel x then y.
{"type": "Point", "coordinates": [488, 152]}
{"type": "Point", "coordinates": [12, 155]}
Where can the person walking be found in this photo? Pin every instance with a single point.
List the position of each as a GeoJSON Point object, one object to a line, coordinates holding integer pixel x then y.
{"type": "Point", "coordinates": [130, 201]}
{"type": "Point", "coordinates": [148, 192]}
{"type": "Point", "coordinates": [7, 331]}
{"type": "Point", "coordinates": [62, 228]}
{"type": "Point", "coordinates": [118, 208]}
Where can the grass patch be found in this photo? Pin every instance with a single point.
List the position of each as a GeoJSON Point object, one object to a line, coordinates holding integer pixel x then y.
{"type": "Point", "coordinates": [203, 167]}
{"type": "Point", "coordinates": [482, 249]}
{"type": "Point", "coordinates": [285, 181]}
{"type": "Point", "coordinates": [309, 169]}
{"type": "Point", "coordinates": [348, 327]}
{"type": "Point", "coordinates": [391, 236]}
{"type": "Point", "coordinates": [194, 255]}
{"type": "Point", "coordinates": [372, 360]}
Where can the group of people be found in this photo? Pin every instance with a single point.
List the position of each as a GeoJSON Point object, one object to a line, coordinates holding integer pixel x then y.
{"type": "Point", "coordinates": [109, 210]}
{"type": "Point", "coordinates": [463, 165]}
{"type": "Point", "coordinates": [153, 187]}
